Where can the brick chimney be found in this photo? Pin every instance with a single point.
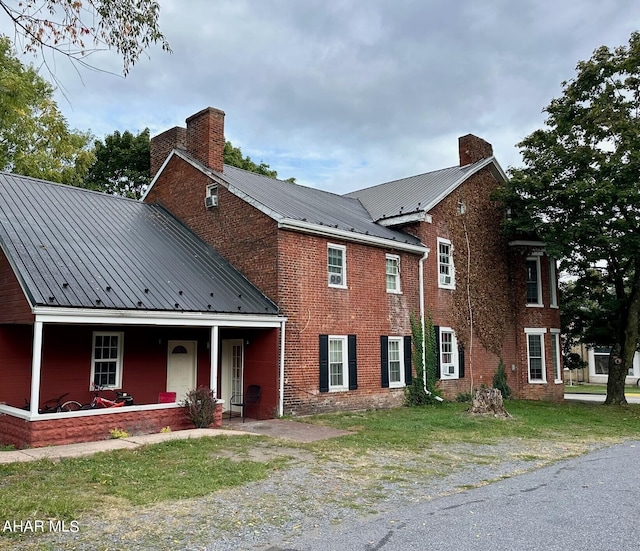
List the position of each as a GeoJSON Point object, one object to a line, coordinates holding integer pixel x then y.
{"type": "Point", "coordinates": [473, 149]}
{"type": "Point", "coordinates": [165, 143]}
{"type": "Point", "coordinates": [205, 137]}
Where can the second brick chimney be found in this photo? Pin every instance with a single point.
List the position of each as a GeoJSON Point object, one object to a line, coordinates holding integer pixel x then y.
{"type": "Point", "coordinates": [473, 149]}
{"type": "Point", "coordinates": [203, 139]}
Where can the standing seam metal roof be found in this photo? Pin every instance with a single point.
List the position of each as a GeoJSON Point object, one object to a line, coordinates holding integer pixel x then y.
{"type": "Point", "coordinates": [77, 248]}
{"type": "Point", "coordinates": [301, 203]}
{"type": "Point", "coordinates": [413, 194]}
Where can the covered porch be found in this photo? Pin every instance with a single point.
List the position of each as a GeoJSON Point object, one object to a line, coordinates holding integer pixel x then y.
{"type": "Point", "coordinates": [66, 352]}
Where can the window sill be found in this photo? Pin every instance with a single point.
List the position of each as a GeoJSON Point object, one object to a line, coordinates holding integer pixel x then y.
{"type": "Point", "coordinates": [339, 389]}
{"type": "Point", "coordinates": [535, 305]}
{"type": "Point", "coordinates": [337, 286]}
{"type": "Point", "coordinates": [391, 292]}
{"type": "Point", "coordinates": [449, 287]}
{"type": "Point", "coordinates": [537, 382]}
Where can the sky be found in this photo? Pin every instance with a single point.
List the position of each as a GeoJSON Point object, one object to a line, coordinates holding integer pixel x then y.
{"type": "Point", "coordinates": [345, 94]}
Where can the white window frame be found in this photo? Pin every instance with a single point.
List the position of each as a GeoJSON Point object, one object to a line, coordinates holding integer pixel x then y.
{"type": "Point", "coordinates": [556, 351]}
{"type": "Point", "coordinates": [538, 303]}
{"type": "Point", "coordinates": [212, 191]}
{"type": "Point", "coordinates": [451, 273]}
{"type": "Point", "coordinates": [393, 274]}
{"type": "Point", "coordinates": [344, 386]}
{"type": "Point", "coordinates": [400, 360]}
{"type": "Point", "coordinates": [553, 284]}
{"type": "Point", "coordinates": [539, 332]}
{"type": "Point", "coordinates": [343, 273]}
{"type": "Point", "coordinates": [445, 372]}
{"type": "Point", "coordinates": [118, 359]}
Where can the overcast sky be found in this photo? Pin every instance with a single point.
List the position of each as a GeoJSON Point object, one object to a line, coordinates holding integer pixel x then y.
{"type": "Point", "coordinates": [344, 94]}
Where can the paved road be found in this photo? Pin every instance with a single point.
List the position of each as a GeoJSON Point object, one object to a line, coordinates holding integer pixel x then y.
{"type": "Point", "coordinates": [587, 503]}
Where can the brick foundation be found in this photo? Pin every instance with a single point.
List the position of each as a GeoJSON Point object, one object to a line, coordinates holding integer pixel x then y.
{"type": "Point", "coordinates": [71, 430]}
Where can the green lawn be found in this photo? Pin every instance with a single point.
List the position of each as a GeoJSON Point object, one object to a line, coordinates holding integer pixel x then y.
{"type": "Point", "coordinates": [588, 388]}
{"type": "Point", "coordinates": [130, 479]}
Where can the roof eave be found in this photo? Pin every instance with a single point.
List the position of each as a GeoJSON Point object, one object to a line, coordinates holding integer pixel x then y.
{"type": "Point", "coordinates": [315, 229]}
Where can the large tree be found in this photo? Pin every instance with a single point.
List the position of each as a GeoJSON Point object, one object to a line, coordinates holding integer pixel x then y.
{"type": "Point", "coordinates": [121, 164]}
{"type": "Point", "coordinates": [78, 28]}
{"type": "Point", "coordinates": [35, 139]}
{"type": "Point", "coordinates": [579, 190]}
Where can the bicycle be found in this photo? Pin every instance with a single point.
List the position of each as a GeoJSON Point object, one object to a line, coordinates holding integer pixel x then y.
{"type": "Point", "coordinates": [54, 406]}
{"type": "Point", "coordinates": [122, 399]}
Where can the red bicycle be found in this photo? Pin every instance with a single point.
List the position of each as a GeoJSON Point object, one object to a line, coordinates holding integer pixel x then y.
{"type": "Point", "coordinates": [122, 399]}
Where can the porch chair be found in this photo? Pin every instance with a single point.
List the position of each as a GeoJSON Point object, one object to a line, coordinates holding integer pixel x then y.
{"type": "Point", "coordinates": [250, 398]}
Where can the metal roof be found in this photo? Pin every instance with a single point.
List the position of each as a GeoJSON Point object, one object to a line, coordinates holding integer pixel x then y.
{"type": "Point", "coordinates": [284, 200]}
{"type": "Point", "coordinates": [75, 248]}
{"type": "Point", "coordinates": [415, 193]}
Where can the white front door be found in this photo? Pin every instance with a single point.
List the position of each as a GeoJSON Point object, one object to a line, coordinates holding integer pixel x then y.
{"type": "Point", "coordinates": [181, 367]}
{"type": "Point", "coordinates": [232, 367]}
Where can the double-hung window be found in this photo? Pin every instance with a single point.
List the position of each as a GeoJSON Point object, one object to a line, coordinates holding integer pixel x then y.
{"type": "Point", "coordinates": [446, 277]}
{"type": "Point", "coordinates": [393, 273]}
{"type": "Point", "coordinates": [338, 372]}
{"type": "Point", "coordinates": [535, 355]}
{"type": "Point", "coordinates": [555, 354]}
{"type": "Point", "coordinates": [338, 363]}
{"type": "Point", "coordinates": [106, 364]}
{"type": "Point", "coordinates": [553, 284]}
{"type": "Point", "coordinates": [533, 281]}
{"type": "Point", "coordinates": [449, 363]}
{"type": "Point", "coordinates": [336, 266]}
{"type": "Point", "coordinates": [396, 362]}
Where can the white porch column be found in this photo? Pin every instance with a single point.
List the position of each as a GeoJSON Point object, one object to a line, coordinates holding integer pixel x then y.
{"type": "Point", "coordinates": [36, 365]}
{"type": "Point", "coordinates": [281, 390]}
{"type": "Point", "coordinates": [213, 377]}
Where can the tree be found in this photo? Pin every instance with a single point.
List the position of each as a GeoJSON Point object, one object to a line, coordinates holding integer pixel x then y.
{"type": "Point", "coordinates": [78, 28]}
{"type": "Point", "coordinates": [34, 137]}
{"type": "Point", "coordinates": [233, 156]}
{"type": "Point", "coordinates": [122, 164]}
{"type": "Point", "coordinates": [579, 191]}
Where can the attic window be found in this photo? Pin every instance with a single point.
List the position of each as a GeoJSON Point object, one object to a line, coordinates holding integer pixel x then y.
{"type": "Point", "coordinates": [211, 198]}
{"type": "Point", "coordinates": [462, 207]}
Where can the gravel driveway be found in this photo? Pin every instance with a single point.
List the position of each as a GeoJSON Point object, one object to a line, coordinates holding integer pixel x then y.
{"type": "Point", "coordinates": [314, 491]}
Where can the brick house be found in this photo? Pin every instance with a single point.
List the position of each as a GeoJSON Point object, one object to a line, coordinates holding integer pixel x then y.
{"type": "Point", "coordinates": [348, 271]}
{"type": "Point", "coordinates": [100, 289]}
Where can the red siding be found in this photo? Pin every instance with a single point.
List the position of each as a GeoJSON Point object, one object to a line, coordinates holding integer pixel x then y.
{"type": "Point", "coordinates": [14, 307]}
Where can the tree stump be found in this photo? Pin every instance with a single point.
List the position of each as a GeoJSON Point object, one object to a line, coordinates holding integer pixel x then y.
{"type": "Point", "coordinates": [488, 401]}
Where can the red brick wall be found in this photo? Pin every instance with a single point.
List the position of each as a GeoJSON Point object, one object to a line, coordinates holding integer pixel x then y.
{"type": "Point", "coordinates": [14, 307]}
{"type": "Point", "coordinates": [52, 432]}
{"type": "Point", "coordinates": [239, 232]}
{"type": "Point", "coordinates": [364, 309]}
{"type": "Point", "coordinates": [497, 289]}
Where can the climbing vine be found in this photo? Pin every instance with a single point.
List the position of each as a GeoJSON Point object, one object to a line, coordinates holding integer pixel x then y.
{"type": "Point", "coordinates": [481, 301]}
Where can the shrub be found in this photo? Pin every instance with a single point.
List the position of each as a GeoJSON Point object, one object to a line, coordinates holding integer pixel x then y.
{"type": "Point", "coordinates": [200, 406]}
{"type": "Point", "coordinates": [500, 381]}
{"type": "Point", "coordinates": [118, 433]}
{"type": "Point", "coordinates": [463, 397]}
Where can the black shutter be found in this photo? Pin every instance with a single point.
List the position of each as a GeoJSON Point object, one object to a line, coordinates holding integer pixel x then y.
{"type": "Point", "coordinates": [461, 362]}
{"type": "Point", "coordinates": [384, 361]}
{"type": "Point", "coordinates": [353, 364]}
{"type": "Point", "coordinates": [436, 329]}
{"type": "Point", "coordinates": [407, 361]}
{"type": "Point", "coordinates": [324, 363]}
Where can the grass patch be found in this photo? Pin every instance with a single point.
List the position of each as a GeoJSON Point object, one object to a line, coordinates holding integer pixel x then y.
{"type": "Point", "coordinates": [418, 428]}
{"type": "Point", "coordinates": [172, 470]}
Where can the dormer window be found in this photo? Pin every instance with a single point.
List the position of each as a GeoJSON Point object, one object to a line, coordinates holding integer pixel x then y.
{"type": "Point", "coordinates": [211, 197]}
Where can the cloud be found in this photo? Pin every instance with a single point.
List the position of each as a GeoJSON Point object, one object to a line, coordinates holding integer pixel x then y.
{"type": "Point", "coordinates": [345, 94]}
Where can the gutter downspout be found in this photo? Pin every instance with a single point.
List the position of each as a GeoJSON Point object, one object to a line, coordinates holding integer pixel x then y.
{"type": "Point", "coordinates": [422, 314]}
{"type": "Point", "coordinates": [281, 389]}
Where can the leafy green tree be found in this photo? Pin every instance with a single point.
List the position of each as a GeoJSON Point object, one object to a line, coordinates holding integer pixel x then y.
{"type": "Point", "coordinates": [579, 191]}
{"type": "Point", "coordinates": [122, 164]}
{"type": "Point", "coordinates": [77, 28]}
{"type": "Point", "coordinates": [233, 156]}
{"type": "Point", "coordinates": [34, 137]}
